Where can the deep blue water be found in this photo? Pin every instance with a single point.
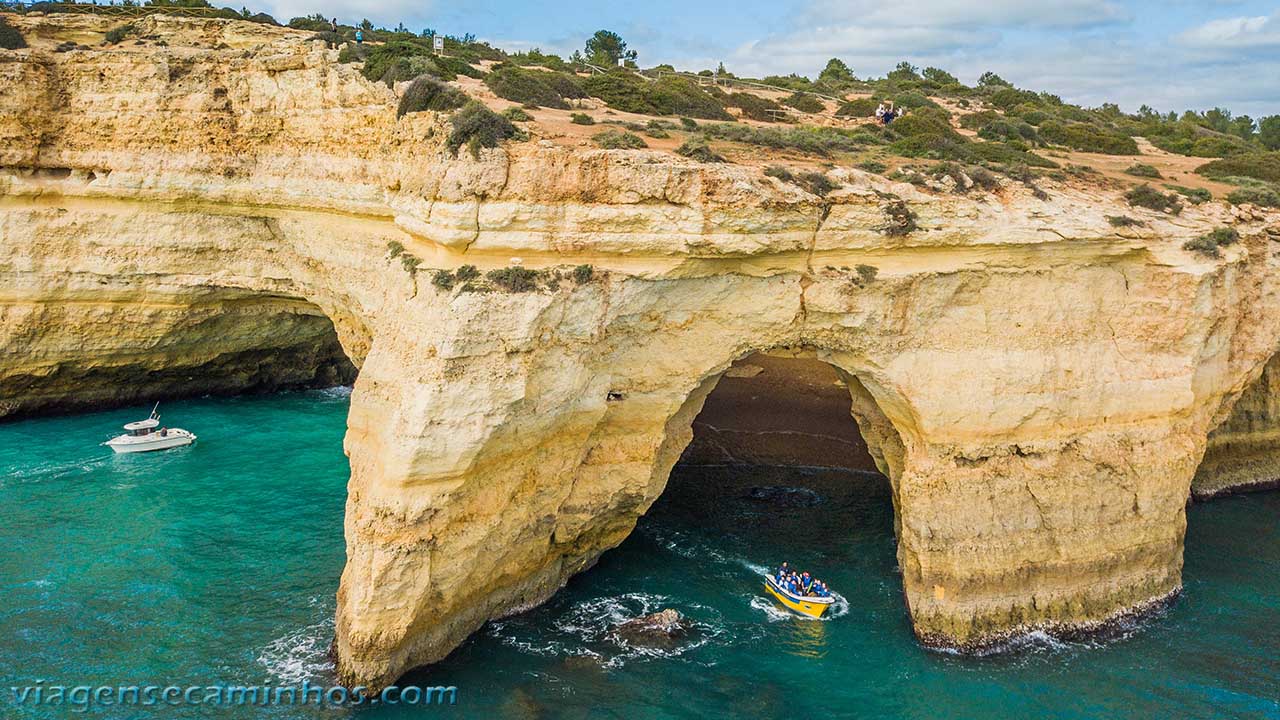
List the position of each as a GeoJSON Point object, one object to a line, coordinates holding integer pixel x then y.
{"type": "Point", "coordinates": [218, 563]}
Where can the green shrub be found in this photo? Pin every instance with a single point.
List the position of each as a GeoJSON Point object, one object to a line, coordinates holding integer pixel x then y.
{"type": "Point", "coordinates": [1124, 221]}
{"type": "Point", "coordinates": [670, 95]}
{"type": "Point", "coordinates": [866, 274]}
{"type": "Point", "coordinates": [448, 68]}
{"type": "Point", "coordinates": [977, 120]}
{"type": "Point", "coordinates": [427, 94]}
{"type": "Point", "coordinates": [806, 138]}
{"type": "Point", "coordinates": [330, 38]}
{"type": "Point", "coordinates": [1204, 246]}
{"type": "Point", "coordinates": [513, 279]}
{"type": "Point", "coordinates": [924, 122]}
{"type": "Point", "coordinates": [565, 84]}
{"type": "Point", "coordinates": [1008, 130]}
{"type": "Point", "coordinates": [816, 183]}
{"type": "Point", "coordinates": [673, 95]}
{"type": "Point", "coordinates": [861, 108]}
{"type": "Point", "coordinates": [515, 114]}
{"type": "Point", "coordinates": [1260, 166]}
{"type": "Point", "coordinates": [1148, 197]}
{"type": "Point", "coordinates": [696, 148]}
{"type": "Point", "coordinates": [619, 140]}
{"type": "Point", "coordinates": [537, 57]}
{"type": "Point", "coordinates": [805, 102]}
{"type": "Point", "coordinates": [379, 61]}
{"type": "Point", "coordinates": [1195, 196]}
{"type": "Point", "coordinates": [754, 107]}
{"type": "Point", "coordinates": [476, 126]}
{"type": "Point", "coordinates": [779, 172]}
{"type": "Point", "coordinates": [1035, 117]}
{"type": "Point", "coordinates": [395, 249]}
{"type": "Point", "coordinates": [1006, 154]}
{"type": "Point", "coordinates": [1209, 243]}
{"type": "Point", "coordinates": [952, 146]}
{"type": "Point", "coordinates": [654, 131]}
{"type": "Point", "coordinates": [410, 263]}
{"type": "Point", "coordinates": [466, 272]}
{"type": "Point", "coordinates": [1224, 236]}
{"type": "Point", "coordinates": [1143, 170]}
{"type": "Point", "coordinates": [901, 220]}
{"type": "Point", "coordinates": [442, 279]}
{"type": "Point", "coordinates": [688, 123]}
{"type": "Point", "coordinates": [620, 91]}
{"type": "Point", "coordinates": [1088, 138]}
{"type": "Point", "coordinates": [983, 178]}
{"type": "Point", "coordinates": [581, 119]}
{"type": "Point", "coordinates": [524, 86]}
{"type": "Point", "coordinates": [403, 60]}
{"type": "Point", "coordinates": [1266, 197]}
{"type": "Point", "coordinates": [873, 166]}
{"type": "Point", "coordinates": [351, 53]}
{"type": "Point", "coordinates": [116, 34]}
{"type": "Point", "coordinates": [582, 274]}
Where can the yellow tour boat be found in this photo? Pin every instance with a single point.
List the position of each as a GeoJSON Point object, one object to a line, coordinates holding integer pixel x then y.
{"type": "Point", "coordinates": [803, 604]}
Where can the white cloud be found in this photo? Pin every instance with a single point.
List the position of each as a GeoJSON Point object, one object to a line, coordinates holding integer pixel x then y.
{"type": "Point", "coordinates": [1238, 33]}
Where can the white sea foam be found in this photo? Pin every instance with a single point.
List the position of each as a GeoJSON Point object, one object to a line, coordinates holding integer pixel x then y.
{"type": "Point", "coordinates": [589, 628]}
{"type": "Point", "coordinates": [302, 654]}
{"type": "Point", "coordinates": [337, 392]}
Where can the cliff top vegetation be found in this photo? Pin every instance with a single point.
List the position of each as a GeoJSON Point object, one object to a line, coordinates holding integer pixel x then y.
{"type": "Point", "coordinates": [809, 124]}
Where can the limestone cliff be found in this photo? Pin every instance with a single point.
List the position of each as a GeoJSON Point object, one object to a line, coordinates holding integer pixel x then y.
{"type": "Point", "coordinates": [1038, 385]}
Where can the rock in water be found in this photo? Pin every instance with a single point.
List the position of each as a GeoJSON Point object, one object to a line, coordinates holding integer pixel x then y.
{"type": "Point", "coordinates": [663, 629]}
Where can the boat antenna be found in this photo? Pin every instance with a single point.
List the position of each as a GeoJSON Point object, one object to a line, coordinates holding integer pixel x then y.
{"type": "Point", "coordinates": [154, 416]}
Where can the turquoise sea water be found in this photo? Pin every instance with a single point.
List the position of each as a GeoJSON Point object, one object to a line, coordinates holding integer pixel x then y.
{"type": "Point", "coordinates": [217, 564]}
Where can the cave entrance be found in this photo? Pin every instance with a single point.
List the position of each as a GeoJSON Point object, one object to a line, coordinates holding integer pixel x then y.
{"type": "Point", "coordinates": [247, 344]}
{"type": "Point", "coordinates": [779, 411]}
{"type": "Point", "coordinates": [1243, 453]}
{"type": "Point", "coordinates": [778, 469]}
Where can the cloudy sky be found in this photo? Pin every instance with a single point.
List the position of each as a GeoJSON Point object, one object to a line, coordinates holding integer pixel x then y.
{"type": "Point", "coordinates": [1170, 54]}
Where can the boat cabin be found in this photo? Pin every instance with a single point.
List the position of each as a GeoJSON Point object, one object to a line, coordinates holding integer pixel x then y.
{"type": "Point", "coordinates": [142, 427]}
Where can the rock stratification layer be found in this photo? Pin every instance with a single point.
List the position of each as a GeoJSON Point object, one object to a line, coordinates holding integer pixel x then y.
{"type": "Point", "coordinates": [1038, 385]}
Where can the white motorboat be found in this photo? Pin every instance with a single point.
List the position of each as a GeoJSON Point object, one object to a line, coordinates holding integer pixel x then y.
{"type": "Point", "coordinates": [143, 436]}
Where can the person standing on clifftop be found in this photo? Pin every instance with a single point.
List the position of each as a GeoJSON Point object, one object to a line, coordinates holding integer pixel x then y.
{"type": "Point", "coordinates": [359, 36]}
{"type": "Point", "coordinates": [334, 24]}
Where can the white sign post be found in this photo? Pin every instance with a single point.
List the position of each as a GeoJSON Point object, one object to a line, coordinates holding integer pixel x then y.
{"type": "Point", "coordinates": [437, 42]}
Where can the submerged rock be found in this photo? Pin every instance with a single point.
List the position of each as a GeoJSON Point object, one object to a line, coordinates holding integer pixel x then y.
{"type": "Point", "coordinates": [663, 629]}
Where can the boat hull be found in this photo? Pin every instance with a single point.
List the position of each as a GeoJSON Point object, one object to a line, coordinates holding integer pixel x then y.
{"type": "Point", "coordinates": [172, 440]}
{"type": "Point", "coordinates": [813, 607]}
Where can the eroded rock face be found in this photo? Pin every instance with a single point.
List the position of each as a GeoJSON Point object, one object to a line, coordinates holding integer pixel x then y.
{"type": "Point", "coordinates": [1038, 388]}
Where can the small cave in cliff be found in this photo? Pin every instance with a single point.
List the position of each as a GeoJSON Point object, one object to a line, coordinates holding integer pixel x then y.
{"type": "Point", "coordinates": [1242, 454]}
{"type": "Point", "coordinates": [251, 345]}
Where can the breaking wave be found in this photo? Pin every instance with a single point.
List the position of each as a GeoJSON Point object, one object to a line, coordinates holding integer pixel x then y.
{"type": "Point", "coordinates": [301, 654]}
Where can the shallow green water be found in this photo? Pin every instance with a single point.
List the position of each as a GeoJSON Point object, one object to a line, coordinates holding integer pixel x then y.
{"type": "Point", "coordinates": [217, 564]}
